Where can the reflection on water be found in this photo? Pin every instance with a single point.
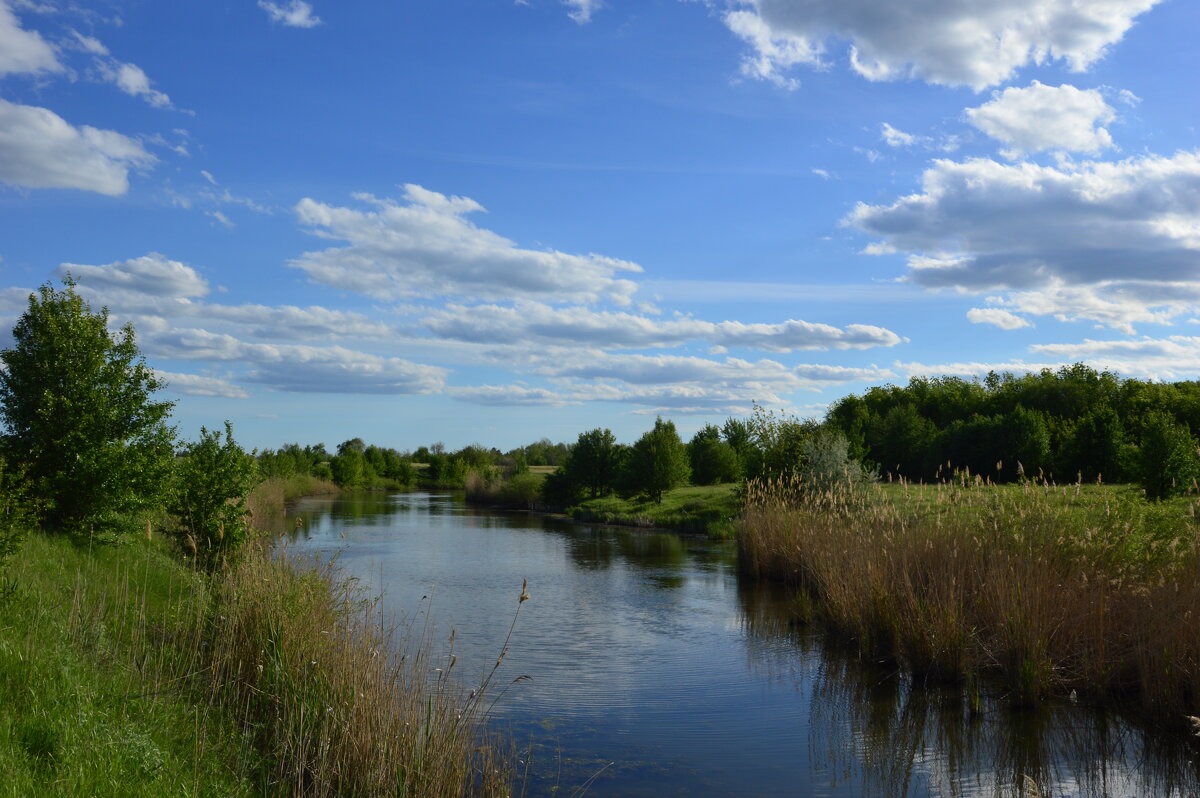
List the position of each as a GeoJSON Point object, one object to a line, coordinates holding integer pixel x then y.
{"type": "Point", "coordinates": [654, 671]}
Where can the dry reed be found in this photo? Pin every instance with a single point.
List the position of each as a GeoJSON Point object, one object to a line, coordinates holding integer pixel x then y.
{"type": "Point", "coordinates": [1052, 588]}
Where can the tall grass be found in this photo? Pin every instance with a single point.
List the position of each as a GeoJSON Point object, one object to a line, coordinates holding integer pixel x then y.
{"type": "Point", "coordinates": [123, 672]}
{"type": "Point", "coordinates": [1051, 588]}
{"type": "Point", "coordinates": [269, 499]}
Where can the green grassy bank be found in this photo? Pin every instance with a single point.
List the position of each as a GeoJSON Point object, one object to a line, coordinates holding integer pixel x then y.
{"type": "Point", "coordinates": [1051, 589]}
{"type": "Point", "coordinates": [124, 672]}
{"type": "Point", "coordinates": [709, 509]}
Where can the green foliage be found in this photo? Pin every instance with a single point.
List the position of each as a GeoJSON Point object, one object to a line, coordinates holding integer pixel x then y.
{"type": "Point", "coordinates": [212, 479]}
{"type": "Point", "coordinates": [594, 462]}
{"type": "Point", "coordinates": [16, 516]}
{"type": "Point", "coordinates": [778, 443]}
{"type": "Point", "coordinates": [828, 466]}
{"type": "Point", "coordinates": [657, 463]}
{"type": "Point", "coordinates": [1168, 460]}
{"type": "Point", "coordinates": [349, 469]}
{"type": "Point", "coordinates": [1097, 445]}
{"type": "Point", "coordinates": [77, 404]}
{"type": "Point", "coordinates": [713, 460]}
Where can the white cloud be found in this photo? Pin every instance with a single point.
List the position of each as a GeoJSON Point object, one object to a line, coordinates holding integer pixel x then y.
{"type": "Point", "coordinates": [981, 224]}
{"type": "Point", "coordinates": [294, 14]}
{"type": "Point", "coordinates": [1001, 318]}
{"type": "Point", "coordinates": [582, 10]}
{"type": "Point", "coordinates": [1118, 304]}
{"type": "Point", "coordinates": [428, 247]}
{"type": "Point", "coordinates": [23, 51]}
{"type": "Point", "coordinates": [130, 79]}
{"type": "Point", "coordinates": [1042, 117]}
{"type": "Point", "coordinates": [208, 176]}
{"type": "Point", "coordinates": [896, 138]}
{"type": "Point", "coordinates": [89, 44]}
{"type": "Point", "coordinates": [40, 149]}
{"type": "Point", "coordinates": [1173, 358]}
{"type": "Point", "coordinates": [528, 322]}
{"type": "Point", "coordinates": [153, 275]}
{"type": "Point", "coordinates": [976, 43]}
{"type": "Point", "coordinates": [195, 385]}
{"type": "Point", "coordinates": [774, 52]}
{"type": "Point", "coordinates": [294, 368]}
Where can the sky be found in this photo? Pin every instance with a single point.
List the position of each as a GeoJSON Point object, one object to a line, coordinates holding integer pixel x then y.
{"type": "Point", "coordinates": [492, 222]}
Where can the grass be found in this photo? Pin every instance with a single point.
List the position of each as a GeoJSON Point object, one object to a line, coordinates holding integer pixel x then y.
{"type": "Point", "coordinates": [124, 672]}
{"type": "Point", "coordinates": [269, 499]}
{"type": "Point", "coordinates": [1049, 588]}
{"type": "Point", "coordinates": [706, 509]}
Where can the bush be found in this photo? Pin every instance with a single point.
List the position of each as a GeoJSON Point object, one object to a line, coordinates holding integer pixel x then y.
{"type": "Point", "coordinates": [828, 467]}
{"type": "Point", "coordinates": [713, 460]}
{"type": "Point", "coordinates": [212, 480]}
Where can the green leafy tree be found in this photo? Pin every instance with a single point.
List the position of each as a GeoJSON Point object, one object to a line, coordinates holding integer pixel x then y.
{"type": "Point", "coordinates": [1168, 459]}
{"type": "Point", "coordinates": [594, 462]}
{"type": "Point", "coordinates": [828, 466]}
{"type": "Point", "coordinates": [713, 460]}
{"type": "Point", "coordinates": [1095, 449]}
{"type": "Point", "coordinates": [349, 468]}
{"type": "Point", "coordinates": [212, 479]}
{"type": "Point", "coordinates": [77, 403]}
{"type": "Point", "coordinates": [657, 463]}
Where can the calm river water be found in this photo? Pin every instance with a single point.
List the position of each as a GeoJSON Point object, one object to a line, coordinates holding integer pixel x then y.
{"type": "Point", "coordinates": [655, 671]}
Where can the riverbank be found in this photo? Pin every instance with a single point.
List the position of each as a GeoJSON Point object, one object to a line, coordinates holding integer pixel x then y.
{"type": "Point", "coordinates": [708, 510]}
{"type": "Point", "coordinates": [125, 672]}
{"type": "Point", "coordinates": [1053, 590]}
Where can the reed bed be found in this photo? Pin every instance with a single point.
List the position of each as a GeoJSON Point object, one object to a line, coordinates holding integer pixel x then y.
{"type": "Point", "coordinates": [1052, 588]}
{"type": "Point", "coordinates": [332, 702]}
{"type": "Point", "coordinates": [269, 499]}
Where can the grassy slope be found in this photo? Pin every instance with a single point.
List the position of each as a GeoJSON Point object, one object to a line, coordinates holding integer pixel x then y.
{"type": "Point", "coordinates": [86, 705]}
{"type": "Point", "coordinates": [693, 508]}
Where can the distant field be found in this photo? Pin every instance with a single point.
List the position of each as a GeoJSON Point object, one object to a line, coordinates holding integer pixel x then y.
{"type": "Point", "coordinates": [542, 469]}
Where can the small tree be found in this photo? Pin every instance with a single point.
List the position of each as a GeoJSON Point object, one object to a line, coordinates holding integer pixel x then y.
{"type": "Point", "coordinates": [77, 404]}
{"type": "Point", "coordinates": [828, 467]}
{"type": "Point", "coordinates": [212, 479]}
{"type": "Point", "coordinates": [1167, 457]}
{"type": "Point", "coordinates": [657, 463]}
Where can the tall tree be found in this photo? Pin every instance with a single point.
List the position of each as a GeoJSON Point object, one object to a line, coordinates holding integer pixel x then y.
{"type": "Point", "coordinates": [594, 462]}
{"type": "Point", "coordinates": [78, 407]}
{"type": "Point", "coordinates": [657, 463]}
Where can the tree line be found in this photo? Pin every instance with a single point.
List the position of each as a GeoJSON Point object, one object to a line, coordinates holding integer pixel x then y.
{"type": "Point", "coordinates": [1070, 424]}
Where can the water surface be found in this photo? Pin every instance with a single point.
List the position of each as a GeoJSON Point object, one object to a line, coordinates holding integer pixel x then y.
{"type": "Point", "coordinates": [654, 670]}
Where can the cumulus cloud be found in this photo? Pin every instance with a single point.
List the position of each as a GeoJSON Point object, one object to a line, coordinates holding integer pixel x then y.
{"type": "Point", "coordinates": [154, 275]}
{"type": "Point", "coordinates": [294, 368]}
{"type": "Point", "coordinates": [997, 316]}
{"type": "Point", "coordinates": [773, 53]}
{"type": "Point", "coordinates": [981, 224]}
{"type": "Point", "coordinates": [427, 247]}
{"type": "Point", "coordinates": [154, 286]}
{"type": "Point", "coordinates": [196, 385]}
{"type": "Point", "coordinates": [23, 51]}
{"type": "Point", "coordinates": [294, 14]}
{"type": "Point", "coordinates": [40, 149]}
{"type": "Point", "coordinates": [538, 322]}
{"type": "Point", "coordinates": [130, 79]}
{"type": "Point", "coordinates": [1173, 358]}
{"type": "Point", "coordinates": [896, 138]}
{"type": "Point", "coordinates": [976, 43]}
{"type": "Point", "coordinates": [1042, 117]}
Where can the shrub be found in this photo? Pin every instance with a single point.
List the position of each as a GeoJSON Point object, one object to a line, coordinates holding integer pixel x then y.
{"type": "Point", "coordinates": [212, 480]}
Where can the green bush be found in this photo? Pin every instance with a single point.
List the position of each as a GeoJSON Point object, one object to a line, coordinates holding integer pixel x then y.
{"type": "Point", "coordinates": [212, 480]}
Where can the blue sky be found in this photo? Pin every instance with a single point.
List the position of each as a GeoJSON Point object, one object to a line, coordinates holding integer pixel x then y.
{"type": "Point", "coordinates": [492, 221]}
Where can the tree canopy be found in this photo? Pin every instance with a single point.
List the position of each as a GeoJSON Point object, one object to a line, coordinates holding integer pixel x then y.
{"type": "Point", "coordinates": [78, 407]}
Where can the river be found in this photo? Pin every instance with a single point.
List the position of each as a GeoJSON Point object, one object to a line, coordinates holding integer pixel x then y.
{"type": "Point", "coordinates": [654, 670]}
